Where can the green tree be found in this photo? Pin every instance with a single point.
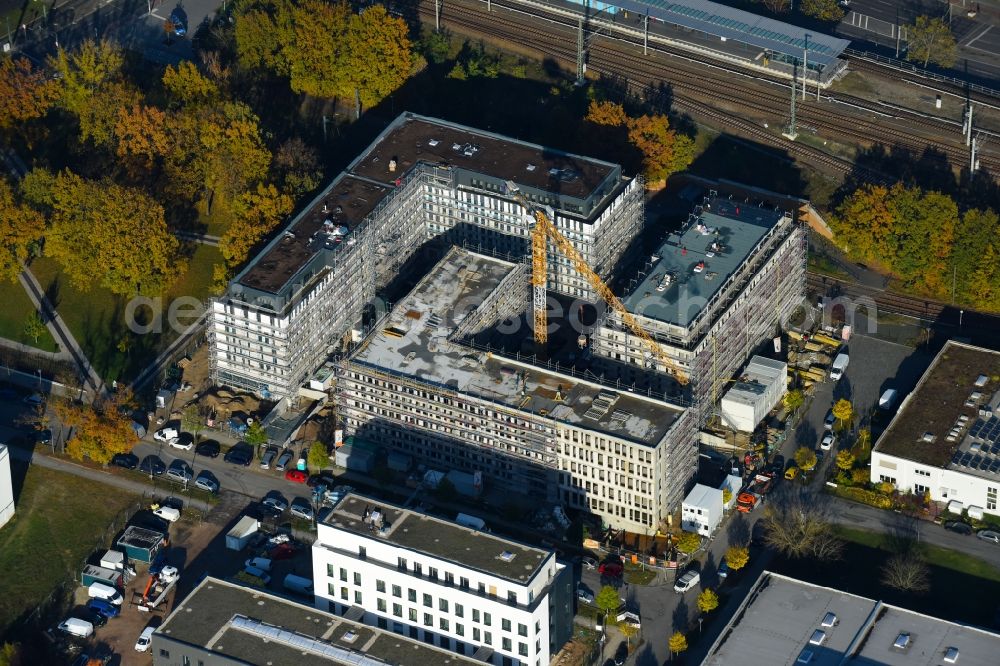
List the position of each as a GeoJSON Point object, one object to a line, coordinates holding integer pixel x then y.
{"type": "Point", "coordinates": [103, 233]}
{"type": "Point", "coordinates": [186, 85]}
{"type": "Point", "coordinates": [34, 326]}
{"type": "Point", "coordinates": [629, 631]}
{"type": "Point", "coordinates": [843, 410]}
{"type": "Point", "coordinates": [805, 458]}
{"type": "Point", "coordinates": [20, 228]}
{"type": "Point", "coordinates": [777, 6]}
{"type": "Point", "coordinates": [10, 654]}
{"type": "Point", "coordinates": [85, 70]}
{"type": "Point", "coordinates": [435, 46]}
{"type": "Point", "coordinates": [708, 600]}
{"type": "Point", "coordinates": [793, 400]}
{"type": "Point", "coordinates": [255, 215]}
{"type": "Point", "coordinates": [296, 167]}
{"type": "Point", "coordinates": [192, 420]}
{"type": "Point", "coordinates": [973, 260]}
{"type": "Point", "coordinates": [663, 151]}
{"type": "Point", "coordinates": [688, 542]}
{"type": "Point", "coordinates": [319, 57]}
{"type": "Point", "coordinates": [607, 600]}
{"type": "Point", "coordinates": [864, 224]}
{"type": "Point", "coordinates": [824, 10]}
{"type": "Point", "coordinates": [737, 557]}
{"type": "Point", "coordinates": [103, 429]}
{"type": "Point", "coordinates": [931, 40]}
{"type": "Point", "coordinates": [262, 31]}
{"type": "Point", "coordinates": [678, 643]}
{"type": "Point", "coordinates": [845, 460]}
{"type": "Point", "coordinates": [381, 54]}
{"type": "Point", "coordinates": [862, 448]}
{"type": "Point", "coordinates": [255, 435]}
{"type": "Point", "coordinates": [318, 456]}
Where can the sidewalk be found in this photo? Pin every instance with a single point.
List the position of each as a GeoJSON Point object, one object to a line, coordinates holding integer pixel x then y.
{"type": "Point", "coordinates": [130, 485]}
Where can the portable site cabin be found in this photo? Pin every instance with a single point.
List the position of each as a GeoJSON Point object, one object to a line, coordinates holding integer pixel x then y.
{"type": "Point", "coordinates": [141, 544]}
{"type": "Point", "coordinates": [240, 535]}
{"type": "Point", "coordinates": [357, 455]}
{"type": "Point", "coordinates": [93, 574]}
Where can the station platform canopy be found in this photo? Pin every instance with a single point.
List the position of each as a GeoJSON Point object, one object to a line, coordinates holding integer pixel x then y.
{"type": "Point", "coordinates": [735, 24]}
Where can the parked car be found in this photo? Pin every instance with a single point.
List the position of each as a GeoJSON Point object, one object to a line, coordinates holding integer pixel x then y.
{"type": "Point", "coordinates": [283, 460]}
{"type": "Point", "coordinates": [104, 607]}
{"type": "Point", "coordinates": [88, 614]}
{"type": "Point", "coordinates": [180, 471]}
{"type": "Point", "coordinates": [827, 442]}
{"type": "Point", "coordinates": [282, 551]}
{"type": "Point", "coordinates": [584, 595]}
{"type": "Point", "coordinates": [687, 581]}
{"type": "Point", "coordinates": [241, 454]}
{"type": "Point", "coordinates": [276, 501]}
{"type": "Point", "coordinates": [301, 508]}
{"type": "Point", "coordinates": [621, 654]}
{"type": "Point", "coordinates": [145, 638]}
{"type": "Point", "coordinates": [206, 481]}
{"type": "Point", "coordinates": [829, 420]}
{"type": "Point", "coordinates": [958, 527]}
{"type": "Point", "coordinates": [268, 458]}
{"type": "Point", "coordinates": [261, 563]}
{"type": "Point", "coordinates": [152, 465]}
{"type": "Point", "coordinates": [989, 535]}
{"type": "Point", "coordinates": [165, 434]}
{"type": "Point", "coordinates": [177, 20]}
{"type": "Point", "coordinates": [259, 574]}
{"type": "Point", "coordinates": [184, 441]}
{"type": "Point", "coordinates": [791, 473]}
{"type": "Point", "coordinates": [76, 627]}
{"type": "Point", "coordinates": [296, 476]}
{"type": "Point", "coordinates": [125, 460]}
{"type": "Point", "coordinates": [589, 563]}
{"type": "Point", "coordinates": [209, 448]}
{"type": "Point", "coordinates": [43, 436]}
{"type": "Point", "coordinates": [35, 399]}
{"type": "Point", "coordinates": [167, 513]}
{"type": "Point", "coordinates": [777, 465]}
{"type": "Point", "coordinates": [723, 569]}
{"type": "Point", "coordinates": [325, 478]}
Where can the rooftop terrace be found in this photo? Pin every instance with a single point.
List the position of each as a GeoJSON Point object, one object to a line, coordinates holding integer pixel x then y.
{"type": "Point", "coordinates": [412, 139]}
{"type": "Point", "coordinates": [246, 624]}
{"type": "Point", "coordinates": [693, 265]}
{"type": "Point", "coordinates": [413, 342]}
{"type": "Point", "coordinates": [783, 618]}
{"type": "Point", "coordinates": [442, 539]}
{"type": "Point", "coordinates": [939, 423]}
{"type": "Point", "coordinates": [327, 222]}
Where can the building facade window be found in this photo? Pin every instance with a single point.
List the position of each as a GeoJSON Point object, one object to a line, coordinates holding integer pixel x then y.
{"type": "Point", "coordinates": [991, 498]}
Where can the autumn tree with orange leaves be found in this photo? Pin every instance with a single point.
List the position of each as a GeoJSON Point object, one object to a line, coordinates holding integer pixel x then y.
{"type": "Point", "coordinates": [100, 431]}
{"type": "Point", "coordinates": [26, 92]}
{"type": "Point", "coordinates": [663, 150]}
{"type": "Point", "coordinates": [20, 226]}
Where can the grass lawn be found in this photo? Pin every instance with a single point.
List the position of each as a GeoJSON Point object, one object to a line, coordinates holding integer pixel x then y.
{"type": "Point", "coordinates": [60, 520]}
{"type": "Point", "coordinates": [16, 308]}
{"type": "Point", "coordinates": [636, 574]}
{"type": "Point", "coordinates": [962, 588]}
{"type": "Point", "coordinates": [97, 317]}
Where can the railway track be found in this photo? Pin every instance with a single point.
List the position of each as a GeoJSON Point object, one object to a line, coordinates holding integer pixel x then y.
{"type": "Point", "coordinates": [713, 85]}
{"type": "Point", "coordinates": [910, 306]}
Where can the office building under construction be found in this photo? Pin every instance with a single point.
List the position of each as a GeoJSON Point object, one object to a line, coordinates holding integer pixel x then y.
{"type": "Point", "coordinates": [422, 183]}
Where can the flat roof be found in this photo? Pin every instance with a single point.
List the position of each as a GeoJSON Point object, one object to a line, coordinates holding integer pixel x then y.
{"type": "Point", "coordinates": [939, 423]}
{"type": "Point", "coordinates": [344, 204]}
{"type": "Point", "coordinates": [701, 494]}
{"type": "Point", "coordinates": [413, 138]}
{"type": "Point", "coordinates": [715, 243]}
{"type": "Point", "coordinates": [443, 539]}
{"type": "Point", "coordinates": [760, 374]}
{"type": "Point", "coordinates": [736, 24]}
{"type": "Point", "coordinates": [140, 537]}
{"type": "Point", "coordinates": [414, 342]}
{"type": "Point", "coordinates": [246, 624]}
{"type": "Point", "coordinates": [780, 617]}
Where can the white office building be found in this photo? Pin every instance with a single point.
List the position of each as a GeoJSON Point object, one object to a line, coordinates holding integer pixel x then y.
{"type": "Point", "coordinates": [6, 487]}
{"type": "Point", "coordinates": [460, 589]}
{"type": "Point", "coordinates": [701, 511]}
{"type": "Point", "coordinates": [945, 438]}
{"type": "Point", "coordinates": [422, 182]}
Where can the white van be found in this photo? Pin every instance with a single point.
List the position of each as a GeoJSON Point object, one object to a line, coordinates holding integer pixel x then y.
{"type": "Point", "coordinates": [839, 366]}
{"type": "Point", "coordinates": [888, 399]}
{"type": "Point", "coordinates": [168, 513]}
{"type": "Point", "coordinates": [106, 592]}
{"type": "Point", "coordinates": [261, 563]}
{"type": "Point", "coordinates": [77, 627]}
{"type": "Point", "coordinates": [298, 584]}
{"type": "Point", "coordinates": [687, 581]}
{"type": "Point", "coordinates": [145, 638]}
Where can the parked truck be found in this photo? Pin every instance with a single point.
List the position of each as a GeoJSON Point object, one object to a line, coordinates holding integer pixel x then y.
{"type": "Point", "coordinates": [748, 498]}
{"type": "Point", "coordinates": [839, 366]}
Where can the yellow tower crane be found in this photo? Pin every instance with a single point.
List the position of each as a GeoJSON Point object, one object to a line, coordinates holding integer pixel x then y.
{"type": "Point", "coordinates": [544, 230]}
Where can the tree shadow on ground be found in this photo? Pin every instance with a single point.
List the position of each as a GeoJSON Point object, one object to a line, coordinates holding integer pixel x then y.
{"type": "Point", "coordinates": [750, 163]}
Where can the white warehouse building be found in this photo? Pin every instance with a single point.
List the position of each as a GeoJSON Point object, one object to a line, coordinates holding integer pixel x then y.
{"type": "Point", "coordinates": [464, 590]}
{"type": "Point", "coordinates": [945, 438]}
{"type": "Point", "coordinates": [421, 181]}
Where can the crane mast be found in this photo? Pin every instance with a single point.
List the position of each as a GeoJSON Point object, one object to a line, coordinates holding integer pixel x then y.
{"type": "Point", "coordinates": [544, 230]}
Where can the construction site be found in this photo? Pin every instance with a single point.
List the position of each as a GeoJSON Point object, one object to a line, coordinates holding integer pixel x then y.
{"type": "Point", "coordinates": [511, 359]}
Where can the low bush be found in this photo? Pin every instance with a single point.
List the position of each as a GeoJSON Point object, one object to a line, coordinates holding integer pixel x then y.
{"type": "Point", "coordinates": [865, 496]}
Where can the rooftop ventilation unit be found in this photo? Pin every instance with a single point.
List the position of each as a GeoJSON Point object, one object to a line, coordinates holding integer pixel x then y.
{"type": "Point", "coordinates": [530, 167]}
{"type": "Point", "coordinates": [981, 381]}
{"type": "Point", "coordinates": [829, 620]}
{"type": "Point", "coordinates": [433, 142]}
{"type": "Point", "coordinates": [951, 655]}
{"type": "Point", "coordinates": [928, 437]}
{"type": "Point", "coordinates": [805, 658]}
{"type": "Point", "coordinates": [902, 641]}
{"type": "Point", "coordinates": [817, 637]}
{"type": "Point", "coordinates": [507, 556]}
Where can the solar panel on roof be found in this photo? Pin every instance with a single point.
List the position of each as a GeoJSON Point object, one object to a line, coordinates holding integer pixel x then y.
{"type": "Point", "coordinates": [975, 461]}
{"type": "Point", "coordinates": [995, 466]}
